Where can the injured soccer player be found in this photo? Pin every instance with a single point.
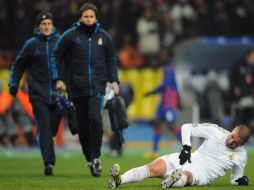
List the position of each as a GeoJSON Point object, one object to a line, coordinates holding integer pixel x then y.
{"type": "Point", "coordinates": [220, 152]}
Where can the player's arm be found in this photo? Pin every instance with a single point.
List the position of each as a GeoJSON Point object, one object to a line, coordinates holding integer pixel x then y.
{"type": "Point", "coordinates": [111, 63]}
{"type": "Point", "coordinates": [57, 61]}
{"type": "Point", "coordinates": [18, 68]}
{"type": "Point", "coordinates": [155, 91]}
{"type": "Point", "coordinates": [237, 176]}
{"type": "Point", "coordinates": [197, 130]}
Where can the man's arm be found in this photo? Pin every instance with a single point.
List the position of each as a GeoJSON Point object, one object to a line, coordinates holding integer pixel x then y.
{"type": "Point", "coordinates": [111, 63]}
{"type": "Point", "coordinates": [198, 130]}
{"type": "Point", "coordinates": [237, 176]}
{"type": "Point", "coordinates": [57, 60]}
{"type": "Point", "coordinates": [18, 68]}
{"type": "Point", "coordinates": [155, 91]}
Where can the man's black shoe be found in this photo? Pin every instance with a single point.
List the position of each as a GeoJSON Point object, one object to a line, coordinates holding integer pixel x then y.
{"type": "Point", "coordinates": [48, 170]}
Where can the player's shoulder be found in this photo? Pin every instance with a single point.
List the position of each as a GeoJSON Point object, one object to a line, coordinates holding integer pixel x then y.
{"type": "Point", "coordinates": [69, 32]}
{"type": "Point", "coordinates": [241, 149]}
{"type": "Point", "coordinates": [31, 41]}
{"type": "Point", "coordinates": [214, 127]}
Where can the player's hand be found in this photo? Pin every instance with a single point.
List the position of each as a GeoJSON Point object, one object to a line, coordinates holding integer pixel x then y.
{"type": "Point", "coordinates": [242, 180]}
{"type": "Point", "coordinates": [13, 90]}
{"type": "Point", "coordinates": [115, 86]}
{"type": "Point", "coordinates": [185, 154]}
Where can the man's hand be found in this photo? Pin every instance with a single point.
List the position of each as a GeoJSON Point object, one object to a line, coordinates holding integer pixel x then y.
{"type": "Point", "coordinates": [185, 154]}
{"type": "Point", "coordinates": [242, 180]}
{"type": "Point", "coordinates": [13, 90]}
{"type": "Point", "coordinates": [115, 86]}
{"type": "Point", "coordinates": [60, 85]}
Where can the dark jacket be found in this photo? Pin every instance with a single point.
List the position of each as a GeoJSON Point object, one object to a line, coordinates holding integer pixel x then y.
{"type": "Point", "coordinates": [35, 58]}
{"type": "Point", "coordinates": [90, 61]}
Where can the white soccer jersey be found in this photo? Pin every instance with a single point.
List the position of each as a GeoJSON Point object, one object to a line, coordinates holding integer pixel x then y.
{"type": "Point", "coordinates": [213, 158]}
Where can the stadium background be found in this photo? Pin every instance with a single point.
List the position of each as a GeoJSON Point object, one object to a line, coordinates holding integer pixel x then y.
{"type": "Point", "coordinates": [195, 29]}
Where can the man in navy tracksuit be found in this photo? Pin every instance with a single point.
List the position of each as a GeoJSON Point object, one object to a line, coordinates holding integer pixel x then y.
{"type": "Point", "coordinates": [90, 62]}
{"type": "Point", "coordinates": [35, 58]}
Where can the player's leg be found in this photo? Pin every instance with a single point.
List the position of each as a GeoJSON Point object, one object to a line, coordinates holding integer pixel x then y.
{"type": "Point", "coordinates": [155, 169]}
{"type": "Point", "coordinates": [44, 135]}
{"type": "Point", "coordinates": [157, 133]}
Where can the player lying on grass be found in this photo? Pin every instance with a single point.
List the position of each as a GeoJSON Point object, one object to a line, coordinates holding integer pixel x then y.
{"type": "Point", "coordinates": [221, 151]}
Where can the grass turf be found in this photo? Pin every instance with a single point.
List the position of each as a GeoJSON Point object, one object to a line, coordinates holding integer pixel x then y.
{"type": "Point", "coordinates": [23, 170]}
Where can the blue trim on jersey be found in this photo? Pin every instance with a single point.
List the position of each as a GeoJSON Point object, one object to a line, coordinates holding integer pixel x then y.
{"type": "Point", "coordinates": [62, 36]}
{"type": "Point", "coordinates": [101, 96]}
{"type": "Point", "coordinates": [28, 42]}
{"type": "Point", "coordinates": [89, 65]}
{"type": "Point", "coordinates": [90, 58]}
{"type": "Point", "coordinates": [49, 70]}
{"type": "Point", "coordinates": [54, 69]}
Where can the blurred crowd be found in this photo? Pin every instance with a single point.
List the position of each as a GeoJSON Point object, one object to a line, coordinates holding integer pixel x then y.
{"type": "Point", "coordinates": [141, 31]}
{"type": "Point", "coordinates": [139, 28]}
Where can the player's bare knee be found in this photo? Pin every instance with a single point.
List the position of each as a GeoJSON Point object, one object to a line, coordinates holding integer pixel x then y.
{"type": "Point", "coordinates": [157, 168]}
{"type": "Point", "coordinates": [189, 177]}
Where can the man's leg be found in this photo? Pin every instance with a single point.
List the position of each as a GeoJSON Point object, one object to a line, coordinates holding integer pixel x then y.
{"type": "Point", "coordinates": [155, 169]}
{"type": "Point", "coordinates": [55, 119]}
{"type": "Point", "coordinates": [44, 135]}
{"type": "Point", "coordinates": [95, 110]}
{"type": "Point", "coordinates": [82, 108]}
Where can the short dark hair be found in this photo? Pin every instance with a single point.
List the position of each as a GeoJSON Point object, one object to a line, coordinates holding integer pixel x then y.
{"type": "Point", "coordinates": [244, 133]}
{"type": "Point", "coordinates": [88, 6]}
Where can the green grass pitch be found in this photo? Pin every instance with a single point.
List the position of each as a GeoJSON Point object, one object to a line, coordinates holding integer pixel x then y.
{"type": "Point", "coordinates": [23, 170]}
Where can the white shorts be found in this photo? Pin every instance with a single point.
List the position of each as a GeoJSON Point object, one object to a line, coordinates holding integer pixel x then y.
{"type": "Point", "coordinates": [172, 162]}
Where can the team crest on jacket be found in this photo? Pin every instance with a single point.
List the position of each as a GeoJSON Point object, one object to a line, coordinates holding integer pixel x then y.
{"type": "Point", "coordinates": [231, 156]}
{"type": "Point", "coordinates": [100, 41]}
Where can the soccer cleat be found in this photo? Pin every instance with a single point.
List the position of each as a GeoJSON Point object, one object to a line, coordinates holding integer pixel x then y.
{"type": "Point", "coordinates": [95, 167]}
{"type": "Point", "coordinates": [48, 170]}
{"type": "Point", "coordinates": [115, 178]}
{"type": "Point", "coordinates": [172, 178]}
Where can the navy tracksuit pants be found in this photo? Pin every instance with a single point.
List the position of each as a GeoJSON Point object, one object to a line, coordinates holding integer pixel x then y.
{"type": "Point", "coordinates": [47, 118]}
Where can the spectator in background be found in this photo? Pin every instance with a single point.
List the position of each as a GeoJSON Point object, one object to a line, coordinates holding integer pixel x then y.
{"type": "Point", "coordinates": [35, 58]}
{"type": "Point", "coordinates": [167, 34]}
{"type": "Point", "coordinates": [7, 125]}
{"type": "Point", "coordinates": [167, 108]}
{"type": "Point", "coordinates": [20, 25]}
{"type": "Point", "coordinates": [148, 35]}
{"type": "Point", "coordinates": [221, 20]}
{"type": "Point", "coordinates": [182, 14]}
{"type": "Point", "coordinates": [128, 55]}
{"type": "Point", "coordinates": [22, 113]}
{"type": "Point", "coordinates": [242, 88]}
{"type": "Point", "coordinates": [13, 116]}
{"type": "Point", "coordinates": [5, 20]}
{"type": "Point", "coordinates": [90, 63]}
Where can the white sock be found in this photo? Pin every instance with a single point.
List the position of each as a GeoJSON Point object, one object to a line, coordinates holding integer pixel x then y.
{"type": "Point", "coordinates": [181, 182]}
{"type": "Point", "coordinates": [135, 174]}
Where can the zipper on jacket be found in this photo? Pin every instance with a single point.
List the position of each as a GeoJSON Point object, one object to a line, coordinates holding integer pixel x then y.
{"type": "Point", "coordinates": [49, 72]}
{"type": "Point", "coordinates": [89, 65]}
